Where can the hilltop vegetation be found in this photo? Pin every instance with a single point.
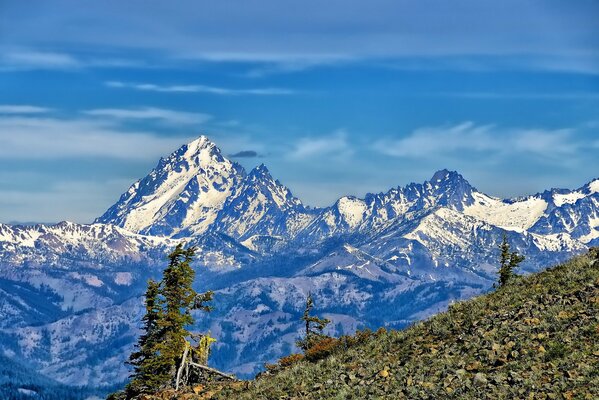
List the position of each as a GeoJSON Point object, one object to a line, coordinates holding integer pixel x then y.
{"type": "Point", "coordinates": [537, 337]}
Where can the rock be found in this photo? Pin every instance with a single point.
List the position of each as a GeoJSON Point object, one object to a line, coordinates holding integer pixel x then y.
{"type": "Point", "coordinates": [541, 349]}
{"type": "Point", "coordinates": [475, 366]}
{"type": "Point", "coordinates": [480, 379]}
{"type": "Point", "coordinates": [461, 373]}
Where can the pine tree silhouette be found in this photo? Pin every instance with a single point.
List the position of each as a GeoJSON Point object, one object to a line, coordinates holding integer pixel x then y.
{"type": "Point", "coordinates": [508, 262]}
{"type": "Point", "coordinates": [168, 313]}
{"type": "Point", "coordinates": [314, 326]}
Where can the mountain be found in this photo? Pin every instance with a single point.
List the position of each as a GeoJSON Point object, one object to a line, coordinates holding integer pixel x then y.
{"type": "Point", "coordinates": [352, 215]}
{"type": "Point", "coordinates": [535, 338]}
{"type": "Point", "coordinates": [18, 383]}
{"type": "Point", "coordinates": [70, 294]}
{"type": "Point", "coordinates": [261, 207]}
{"type": "Point", "coordinates": [186, 190]}
{"type": "Point", "coordinates": [573, 212]}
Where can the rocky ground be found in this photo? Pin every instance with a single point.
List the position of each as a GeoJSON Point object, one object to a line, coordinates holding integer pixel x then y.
{"type": "Point", "coordinates": [537, 338]}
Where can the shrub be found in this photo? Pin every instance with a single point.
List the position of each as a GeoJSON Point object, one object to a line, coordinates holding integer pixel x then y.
{"type": "Point", "coordinates": [321, 349]}
{"type": "Point", "coordinates": [290, 360]}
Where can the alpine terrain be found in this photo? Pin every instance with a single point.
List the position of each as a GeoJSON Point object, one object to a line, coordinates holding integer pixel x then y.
{"type": "Point", "coordinates": [70, 294]}
{"type": "Point", "coordinates": [537, 338]}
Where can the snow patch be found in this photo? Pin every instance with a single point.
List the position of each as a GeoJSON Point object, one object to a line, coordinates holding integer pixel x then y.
{"type": "Point", "coordinates": [555, 242]}
{"type": "Point", "coordinates": [352, 210]}
{"type": "Point", "coordinates": [123, 278]}
{"type": "Point", "coordinates": [517, 215]}
{"type": "Point", "coordinates": [27, 392]}
{"type": "Point", "coordinates": [93, 280]}
{"type": "Point", "coordinates": [569, 198]}
{"type": "Point", "coordinates": [594, 233]}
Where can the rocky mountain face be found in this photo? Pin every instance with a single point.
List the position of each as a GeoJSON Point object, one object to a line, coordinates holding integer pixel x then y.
{"type": "Point", "coordinates": [70, 294]}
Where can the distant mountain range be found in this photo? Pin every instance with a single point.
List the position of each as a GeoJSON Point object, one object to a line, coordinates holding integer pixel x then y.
{"type": "Point", "coordinates": [70, 294]}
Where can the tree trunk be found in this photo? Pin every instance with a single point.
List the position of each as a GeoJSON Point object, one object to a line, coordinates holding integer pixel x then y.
{"type": "Point", "coordinates": [182, 366]}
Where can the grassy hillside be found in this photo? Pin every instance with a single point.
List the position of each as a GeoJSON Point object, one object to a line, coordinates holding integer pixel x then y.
{"type": "Point", "coordinates": [537, 338]}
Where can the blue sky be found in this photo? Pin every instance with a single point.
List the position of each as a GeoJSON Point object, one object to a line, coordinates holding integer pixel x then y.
{"type": "Point", "coordinates": [334, 97]}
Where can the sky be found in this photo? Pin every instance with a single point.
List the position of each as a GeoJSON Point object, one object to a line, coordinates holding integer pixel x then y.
{"type": "Point", "coordinates": [335, 97]}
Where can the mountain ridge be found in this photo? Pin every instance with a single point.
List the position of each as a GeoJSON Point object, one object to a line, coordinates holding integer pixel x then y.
{"type": "Point", "coordinates": [445, 188]}
{"type": "Point", "coordinates": [387, 258]}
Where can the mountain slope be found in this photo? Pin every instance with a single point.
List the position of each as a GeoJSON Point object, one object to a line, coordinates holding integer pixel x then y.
{"type": "Point", "coordinates": [388, 259]}
{"type": "Point", "coordinates": [261, 207]}
{"type": "Point", "coordinates": [185, 190]}
{"type": "Point", "coordinates": [20, 382]}
{"type": "Point", "coordinates": [574, 212]}
{"type": "Point", "coordinates": [536, 338]}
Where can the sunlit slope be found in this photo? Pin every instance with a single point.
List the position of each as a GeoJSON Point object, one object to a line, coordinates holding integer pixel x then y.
{"type": "Point", "coordinates": [536, 338]}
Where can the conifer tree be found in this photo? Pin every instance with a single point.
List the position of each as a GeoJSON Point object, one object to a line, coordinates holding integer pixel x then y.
{"type": "Point", "coordinates": [313, 326]}
{"type": "Point", "coordinates": [168, 313]}
{"type": "Point", "coordinates": [144, 376]}
{"type": "Point", "coordinates": [508, 262]}
{"type": "Point", "coordinates": [180, 299]}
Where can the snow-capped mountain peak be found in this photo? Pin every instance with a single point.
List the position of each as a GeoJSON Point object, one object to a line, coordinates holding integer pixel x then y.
{"type": "Point", "coordinates": [450, 189]}
{"type": "Point", "coordinates": [592, 187]}
{"type": "Point", "coordinates": [188, 188]}
{"type": "Point", "coordinates": [261, 171]}
{"type": "Point", "coordinates": [202, 152]}
{"type": "Point", "coordinates": [261, 206]}
{"type": "Point", "coordinates": [445, 176]}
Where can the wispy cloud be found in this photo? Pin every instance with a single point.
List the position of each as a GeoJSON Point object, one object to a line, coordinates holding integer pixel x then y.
{"type": "Point", "coordinates": [522, 95]}
{"type": "Point", "coordinates": [54, 138]}
{"type": "Point", "coordinates": [30, 59]}
{"type": "Point", "coordinates": [80, 201]}
{"type": "Point", "coordinates": [244, 154]}
{"type": "Point", "coordinates": [200, 89]}
{"type": "Point", "coordinates": [151, 113]}
{"type": "Point", "coordinates": [291, 65]}
{"type": "Point", "coordinates": [553, 35]}
{"type": "Point", "coordinates": [336, 145]}
{"type": "Point", "coordinates": [22, 109]}
{"type": "Point", "coordinates": [468, 138]}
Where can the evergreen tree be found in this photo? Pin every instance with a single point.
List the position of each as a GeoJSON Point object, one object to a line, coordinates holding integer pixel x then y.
{"type": "Point", "coordinates": [508, 262]}
{"type": "Point", "coordinates": [313, 326]}
{"type": "Point", "coordinates": [168, 313]}
{"type": "Point", "coordinates": [180, 299]}
{"type": "Point", "coordinates": [144, 377]}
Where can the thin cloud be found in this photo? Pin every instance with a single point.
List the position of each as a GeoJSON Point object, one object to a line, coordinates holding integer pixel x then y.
{"type": "Point", "coordinates": [53, 138]}
{"type": "Point", "coordinates": [469, 138]}
{"type": "Point", "coordinates": [31, 59]}
{"type": "Point", "coordinates": [523, 96]}
{"type": "Point", "coordinates": [335, 145]}
{"type": "Point", "coordinates": [554, 35]}
{"type": "Point", "coordinates": [151, 113]}
{"type": "Point", "coordinates": [23, 109]}
{"type": "Point", "coordinates": [199, 89]}
{"type": "Point", "coordinates": [244, 154]}
{"type": "Point", "coordinates": [80, 201]}
{"type": "Point", "coordinates": [286, 66]}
